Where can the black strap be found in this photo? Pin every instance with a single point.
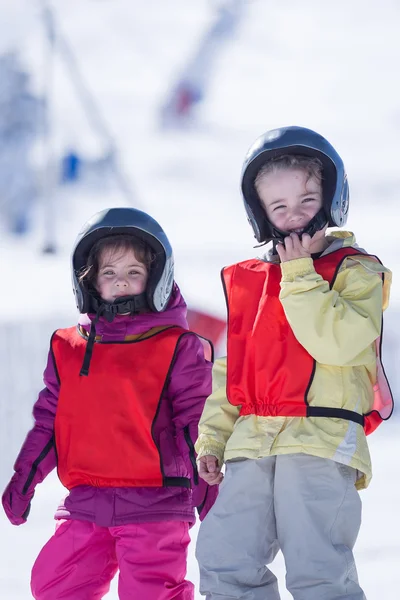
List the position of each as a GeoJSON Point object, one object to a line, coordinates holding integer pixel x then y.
{"type": "Point", "coordinates": [123, 305]}
{"type": "Point", "coordinates": [176, 482]}
{"type": "Point", "coordinates": [89, 348]}
{"type": "Point", "coordinates": [337, 413]}
{"type": "Point", "coordinates": [316, 224]}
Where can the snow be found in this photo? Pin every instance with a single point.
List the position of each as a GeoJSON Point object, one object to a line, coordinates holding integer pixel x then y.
{"type": "Point", "coordinates": [328, 66]}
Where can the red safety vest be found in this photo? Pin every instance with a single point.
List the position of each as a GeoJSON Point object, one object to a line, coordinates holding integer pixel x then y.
{"type": "Point", "coordinates": [269, 372]}
{"type": "Point", "coordinates": [103, 424]}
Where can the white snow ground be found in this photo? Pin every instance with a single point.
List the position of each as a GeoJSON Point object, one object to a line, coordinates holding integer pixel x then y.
{"type": "Point", "coordinates": [329, 66]}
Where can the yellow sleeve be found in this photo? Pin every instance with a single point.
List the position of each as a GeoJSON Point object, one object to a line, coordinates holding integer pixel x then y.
{"type": "Point", "coordinates": [334, 325]}
{"type": "Point", "coordinates": [218, 418]}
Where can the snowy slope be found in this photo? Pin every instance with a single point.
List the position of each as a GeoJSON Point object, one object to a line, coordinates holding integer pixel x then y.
{"type": "Point", "coordinates": [329, 66]}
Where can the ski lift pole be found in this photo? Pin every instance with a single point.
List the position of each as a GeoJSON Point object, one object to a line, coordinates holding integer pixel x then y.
{"type": "Point", "coordinates": [48, 183]}
{"type": "Point", "coordinates": [95, 118]}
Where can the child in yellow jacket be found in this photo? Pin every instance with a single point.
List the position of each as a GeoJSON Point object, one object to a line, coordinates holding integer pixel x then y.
{"type": "Point", "coordinates": [301, 387]}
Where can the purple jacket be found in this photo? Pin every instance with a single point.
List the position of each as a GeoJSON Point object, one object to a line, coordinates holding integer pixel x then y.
{"type": "Point", "coordinates": [175, 429]}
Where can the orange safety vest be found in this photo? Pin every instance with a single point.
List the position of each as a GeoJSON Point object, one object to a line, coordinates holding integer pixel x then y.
{"type": "Point", "coordinates": [103, 423]}
{"type": "Point", "coordinates": [269, 373]}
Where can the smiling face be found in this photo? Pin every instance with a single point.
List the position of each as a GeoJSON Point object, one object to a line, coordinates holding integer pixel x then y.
{"type": "Point", "coordinates": [291, 197]}
{"type": "Point", "coordinates": [120, 273]}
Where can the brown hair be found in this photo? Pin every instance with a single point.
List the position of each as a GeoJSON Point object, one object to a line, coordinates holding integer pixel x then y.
{"type": "Point", "coordinates": [312, 166]}
{"type": "Point", "coordinates": [115, 244]}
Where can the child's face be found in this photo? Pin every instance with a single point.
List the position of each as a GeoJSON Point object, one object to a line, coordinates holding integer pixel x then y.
{"type": "Point", "coordinates": [291, 198]}
{"type": "Point", "coordinates": [120, 274]}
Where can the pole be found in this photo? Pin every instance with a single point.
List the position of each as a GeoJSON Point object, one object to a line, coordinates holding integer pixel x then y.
{"type": "Point", "coordinates": [48, 183]}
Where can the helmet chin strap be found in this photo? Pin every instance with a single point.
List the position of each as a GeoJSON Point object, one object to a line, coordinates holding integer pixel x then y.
{"type": "Point", "coordinates": [121, 306]}
{"type": "Point", "coordinates": [316, 224]}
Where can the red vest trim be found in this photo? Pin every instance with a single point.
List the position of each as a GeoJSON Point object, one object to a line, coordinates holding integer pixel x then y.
{"type": "Point", "coordinates": [269, 373]}
{"type": "Point", "coordinates": [103, 424]}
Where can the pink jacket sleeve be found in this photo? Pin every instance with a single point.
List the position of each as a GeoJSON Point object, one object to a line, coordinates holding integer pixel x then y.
{"type": "Point", "coordinates": [37, 457]}
{"type": "Point", "coordinates": [189, 387]}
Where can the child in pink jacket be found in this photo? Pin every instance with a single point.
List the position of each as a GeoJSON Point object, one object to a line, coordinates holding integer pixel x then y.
{"type": "Point", "coordinates": [118, 418]}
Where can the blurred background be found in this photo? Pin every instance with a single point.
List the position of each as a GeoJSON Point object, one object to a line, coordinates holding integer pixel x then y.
{"type": "Point", "coordinates": [154, 105]}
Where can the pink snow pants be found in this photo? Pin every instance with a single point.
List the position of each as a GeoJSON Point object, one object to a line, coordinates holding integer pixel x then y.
{"type": "Point", "coordinates": [80, 560]}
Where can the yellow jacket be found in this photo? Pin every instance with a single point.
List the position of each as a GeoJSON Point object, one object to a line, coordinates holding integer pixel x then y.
{"type": "Point", "coordinates": [338, 327]}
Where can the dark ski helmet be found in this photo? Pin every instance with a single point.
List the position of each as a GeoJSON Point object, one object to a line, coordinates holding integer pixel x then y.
{"type": "Point", "coordinates": [116, 221]}
{"type": "Point", "coordinates": [304, 142]}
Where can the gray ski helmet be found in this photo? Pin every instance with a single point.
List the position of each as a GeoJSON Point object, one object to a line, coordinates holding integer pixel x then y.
{"type": "Point", "coordinates": [116, 221]}
{"type": "Point", "coordinates": [305, 142]}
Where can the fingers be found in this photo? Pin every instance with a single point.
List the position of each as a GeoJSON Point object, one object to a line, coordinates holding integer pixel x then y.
{"type": "Point", "coordinates": [293, 247]}
{"type": "Point", "coordinates": [202, 465]}
{"type": "Point", "coordinates": [289, 243]}
{"type": "Point", "coordinates": [280, 248]}
{"type": "Point", "coordinates": [212, 478]}
{"type": "Point", "coordinates": [211, 463]}
{"type": "Point", "coordinates": [296, 242]}
{"type": "Point", "coordinates": [209, 470]}
{"type": "Point", "coordinates": [306, 241]}
{"type": "Point", "coordinates": [208, 465]}
{"type": "Point", "coordinates": [286, 249]}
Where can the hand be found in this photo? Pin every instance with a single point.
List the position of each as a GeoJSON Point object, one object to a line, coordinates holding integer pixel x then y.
{"type": "Point", "coordinates": [16, 505]}
{"type": "Point", "coordinates": [293, 247]}
{"type": "Point", "coordinates": [209, 470]}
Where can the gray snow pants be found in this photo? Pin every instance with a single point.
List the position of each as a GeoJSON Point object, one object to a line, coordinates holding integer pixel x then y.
{"type": "Point", "coordinates": [306, 506]}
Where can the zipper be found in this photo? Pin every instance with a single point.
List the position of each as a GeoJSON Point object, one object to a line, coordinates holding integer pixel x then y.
{"type": "Point", "coordinates": [35, 465]}
{"type": "Point", "coordinates": [192, 454]}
